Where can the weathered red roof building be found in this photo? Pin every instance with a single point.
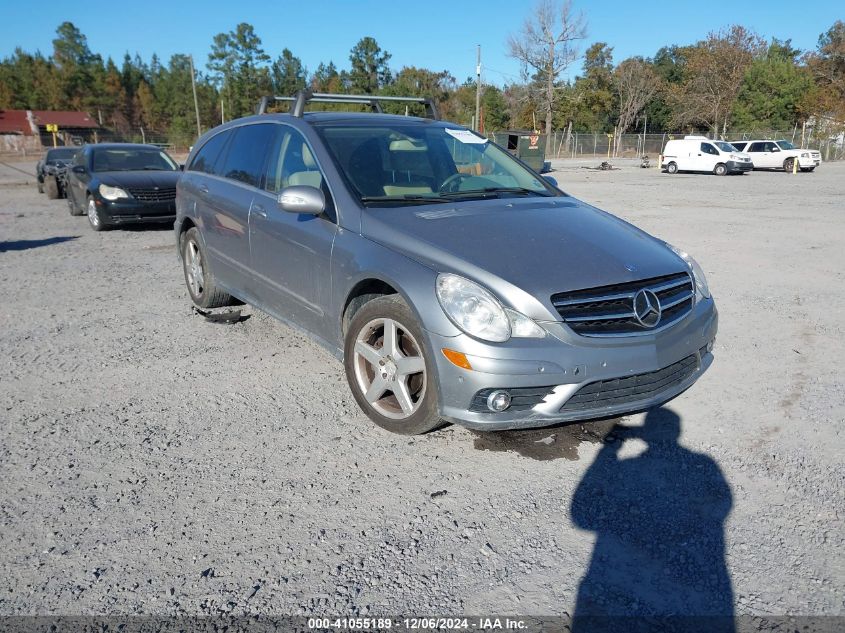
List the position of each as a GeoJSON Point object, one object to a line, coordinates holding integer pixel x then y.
{"type": "Point", "coordinates": [26, 130]}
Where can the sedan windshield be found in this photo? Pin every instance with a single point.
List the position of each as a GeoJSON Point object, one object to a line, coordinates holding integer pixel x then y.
{"type": "Point", "coordinates": [404, 164]}
{"type": "Point", "coordinates": [132, 159]}
{"type": "Point", "coordinates": [785, 145]}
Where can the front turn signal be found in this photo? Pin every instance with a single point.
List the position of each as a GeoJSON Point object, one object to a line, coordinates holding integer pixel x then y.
{"type": "Point", "coordinates": [458, 359]}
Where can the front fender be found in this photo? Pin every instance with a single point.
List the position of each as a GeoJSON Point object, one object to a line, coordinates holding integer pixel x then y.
{"type": "Point", "coordinates": [356, 259]}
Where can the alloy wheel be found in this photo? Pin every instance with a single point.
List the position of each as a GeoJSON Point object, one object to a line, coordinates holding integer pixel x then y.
{"type": "Point", "coordinates": [93, 216]}
{"type": "Point", "coordinates": [390, 368]}
{"type": "Point", "coordinates": [193, 268]}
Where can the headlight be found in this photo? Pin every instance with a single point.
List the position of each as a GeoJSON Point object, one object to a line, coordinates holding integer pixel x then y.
{"type": "Point", "coordinates": [697, 272]}
{"type": "Point", "coordinates": [112, 193]}
{"type": "Point", "coordinates": [478, 313]}
{"type": "Point", "coordinates": [734, 157]}
{"type": "Point", "coordinates": [805, 155]}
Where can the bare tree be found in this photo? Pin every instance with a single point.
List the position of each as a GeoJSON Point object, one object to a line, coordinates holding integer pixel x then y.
{"type": "Point", "coordinates": [635, 83]}
{"type": "Point", "coordinates": [546, 45]}
{"type": "Point", "coordinates": [713, 75]}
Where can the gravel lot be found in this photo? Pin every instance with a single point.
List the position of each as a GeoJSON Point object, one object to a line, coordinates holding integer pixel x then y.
{"type": "Point", "coordinates": [156, 463]}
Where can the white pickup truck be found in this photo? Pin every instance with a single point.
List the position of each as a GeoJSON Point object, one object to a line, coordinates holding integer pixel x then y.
{"type": "Point", "coordinates": [779, 155]}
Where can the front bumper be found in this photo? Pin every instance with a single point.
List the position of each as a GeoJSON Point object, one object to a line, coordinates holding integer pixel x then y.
{"type": "Point", "coordinates": [130, 211]}
{"type": "Point", "coordinates": [739, 166]}
{"type": "Point", "coordinates": [564, 362]}
{"type": "Point", "coordinates": [809, 161]}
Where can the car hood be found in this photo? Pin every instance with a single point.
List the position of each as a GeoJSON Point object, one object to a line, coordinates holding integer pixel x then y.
{"type": "Point", "coordinates": [533, 246]}
{"type": "Point", "coordinates": [140, 179]}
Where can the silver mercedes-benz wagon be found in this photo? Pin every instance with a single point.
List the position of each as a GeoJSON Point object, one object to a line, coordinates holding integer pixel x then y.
{"type": "Point", "coordinates": [455, 283]}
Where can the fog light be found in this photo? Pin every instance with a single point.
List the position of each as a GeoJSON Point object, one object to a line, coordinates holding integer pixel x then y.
{"type": "Point", "coordinates": [498, 401]}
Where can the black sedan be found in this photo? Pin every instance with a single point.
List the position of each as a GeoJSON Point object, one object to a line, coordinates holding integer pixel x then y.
{"type": "Point", "coordinates": [49, 169]}
{"type": "Point", "coordinates": [122, 183]}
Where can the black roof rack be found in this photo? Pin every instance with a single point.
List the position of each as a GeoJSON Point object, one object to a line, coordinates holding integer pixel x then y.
{"type": "Point", "coordinates": [303, 97]}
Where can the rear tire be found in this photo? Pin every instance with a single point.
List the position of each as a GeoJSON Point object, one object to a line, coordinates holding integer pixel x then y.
{"type": "Point", "coordinates": [202, 288]}
{"type": "Point", "coordinates": [388, 368]}
{"type": "Point", "coordinates": [720, 169]}
{"type": "Point", "coordinates": [40, 184]}
{"type": "Point", "coordinates": [672, 168]}
{"type": "Point", "coordinates": [52, 187]}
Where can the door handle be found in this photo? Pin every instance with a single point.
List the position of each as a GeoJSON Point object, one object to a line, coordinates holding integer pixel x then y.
{"type": "Point", "coordinates": [203, 188]}
{"type": "Point", "coordinates": [259, 210]}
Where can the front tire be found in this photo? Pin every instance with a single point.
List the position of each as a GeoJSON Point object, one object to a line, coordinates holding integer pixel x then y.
{"type": "Point", "coordinates": [388, 369]}
{"type": "Point", "coordinates": [40, 185]}
{"type": "Point", "coordinates": [95, 217]}
{"type": "Point", "coordinates": [720, 169]}
{"type": "Point", "coordinates": [788, 165]}
{"type": "Point", "coordinates": [72, 208]}
{"type": "Point", "coordinates": [807, 169]}
{"type": "Point", "coordinates": [672, 168]}
{"type": "Point", "coordinates": [203, 290]}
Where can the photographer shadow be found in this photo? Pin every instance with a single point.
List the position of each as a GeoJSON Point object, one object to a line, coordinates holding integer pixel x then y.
{"type": "Point", "coordinates": [659, 558]}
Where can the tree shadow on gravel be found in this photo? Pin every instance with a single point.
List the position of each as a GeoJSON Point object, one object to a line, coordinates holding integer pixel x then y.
{"type": "Point", "coordinates": [659, 557]}
{"type": "Point", "coordinates": [25, 245]}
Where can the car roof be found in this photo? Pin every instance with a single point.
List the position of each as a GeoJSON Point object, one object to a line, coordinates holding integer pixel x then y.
{"type": "Point", "coordinates": [353, 118]}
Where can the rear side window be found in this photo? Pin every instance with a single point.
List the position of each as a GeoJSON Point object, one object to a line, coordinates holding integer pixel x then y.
{"type": "Point", "coordinates": [248, 150]}
{"type": "Point", "coordinates": [757, 147]}
{"type": "Point", "coordinates": [209, 154]}
{"type": "Point", "coordinates": [739, 145]}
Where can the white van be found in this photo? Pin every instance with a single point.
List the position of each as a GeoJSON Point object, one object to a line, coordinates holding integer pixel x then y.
{"type": "Point", "coordinates": [698, 153]}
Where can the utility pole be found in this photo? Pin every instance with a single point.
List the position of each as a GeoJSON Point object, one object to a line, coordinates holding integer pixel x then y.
{"type": "Point", "coordinates": [194, 88]}
{"type": "Point", "coordinates": [478, 90]}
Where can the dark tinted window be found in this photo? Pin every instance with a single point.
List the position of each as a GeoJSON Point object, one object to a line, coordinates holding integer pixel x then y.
{"type": "Point", "coordinates": [209, 154]}
{"type": "Point", "coordinates": [132, 159]}
{"type": "Point", "coordinates": [757, 147]}
{"type": "Point", "coordinates": [247, 151]}
{"type": "Point", "coordinates": [739, 145]}
{"type": "Point", "coordinates": [708, 148]}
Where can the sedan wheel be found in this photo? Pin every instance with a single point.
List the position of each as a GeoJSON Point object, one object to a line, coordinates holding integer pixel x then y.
{"type": "Point", "coordinates": [95, 219]}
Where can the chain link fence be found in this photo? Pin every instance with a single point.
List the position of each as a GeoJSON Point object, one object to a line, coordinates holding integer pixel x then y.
{"type": "Point", "coordinates": [602, 145]}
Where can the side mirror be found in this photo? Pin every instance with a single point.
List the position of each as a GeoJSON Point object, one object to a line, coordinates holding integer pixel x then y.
{"type": "Point", "coordinates": [302, 199]}
{"type": "Point", "coordinates": [551, 181]}
{"type": "Point", "coordinates": [776, 148]}
{"type": "Point", "coordinates": [79, 169]}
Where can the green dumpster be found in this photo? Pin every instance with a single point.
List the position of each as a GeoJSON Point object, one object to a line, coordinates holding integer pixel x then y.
{"type": "Point", "coordinates": [529, 147]}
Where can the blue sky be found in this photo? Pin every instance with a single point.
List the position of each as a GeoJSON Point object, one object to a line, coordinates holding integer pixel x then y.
{"type": "Point", "coordinates": [436, 34]}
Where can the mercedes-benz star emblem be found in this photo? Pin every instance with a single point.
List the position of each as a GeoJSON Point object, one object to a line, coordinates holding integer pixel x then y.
{"type": "Point", "coordinates": [647, 308]}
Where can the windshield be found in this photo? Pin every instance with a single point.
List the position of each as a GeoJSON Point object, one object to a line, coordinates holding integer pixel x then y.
{"type": "Point", "coordinates": [785, 145]}
{"type": "Point", "coordinates": [61, 154]}
{"type": "Point", "coordinates": [725, 147]}
{"type": "Point", "coordinates": [396, 164]}
{"type": "Point", "coordinates": [132, 159]}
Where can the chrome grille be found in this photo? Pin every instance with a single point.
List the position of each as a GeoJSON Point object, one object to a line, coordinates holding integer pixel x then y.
{"type": "Point", "coordinates": [154, 195]}
{"type": "Point", "coordinates": [631, 389]}
{"type": "Point", "coordinates": [609, 310]}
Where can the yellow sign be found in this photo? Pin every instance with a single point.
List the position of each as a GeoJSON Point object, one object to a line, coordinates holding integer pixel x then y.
{"type": "Point", "coordinates": [52, 127]}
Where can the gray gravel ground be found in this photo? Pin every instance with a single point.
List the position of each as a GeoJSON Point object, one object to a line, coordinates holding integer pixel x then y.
{"type": "Point", "coordinates": [155, 463]}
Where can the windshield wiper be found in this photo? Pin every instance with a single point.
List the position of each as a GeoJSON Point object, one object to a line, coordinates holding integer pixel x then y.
{"type": "Point", "coordinates": [408, 199]}
{"type": "Point", "coordinates": [492, 192]}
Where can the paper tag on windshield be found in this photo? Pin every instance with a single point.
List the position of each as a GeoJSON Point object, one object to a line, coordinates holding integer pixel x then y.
{"type": "Point", "coordinates": [465, 136]}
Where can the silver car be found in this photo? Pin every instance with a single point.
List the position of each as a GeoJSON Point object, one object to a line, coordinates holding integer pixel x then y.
{"type": "Point", "coordinates": [455, 283]}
